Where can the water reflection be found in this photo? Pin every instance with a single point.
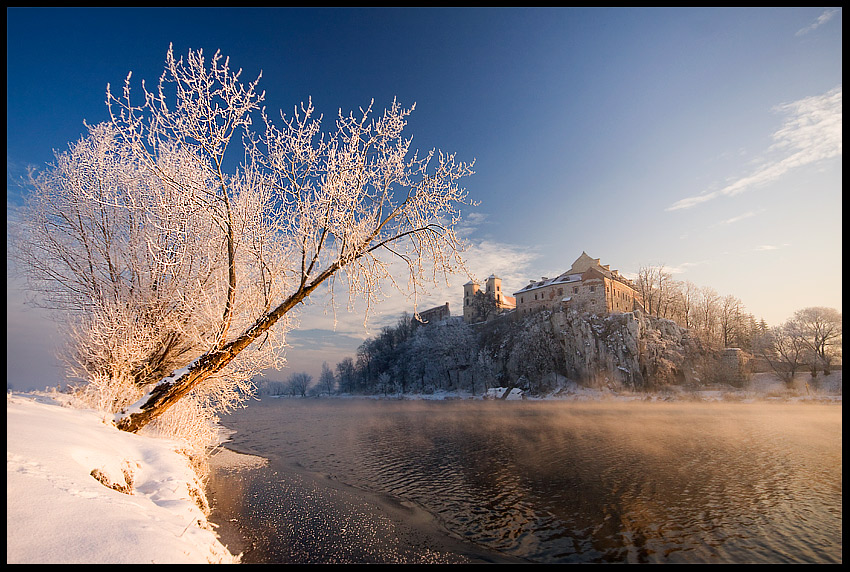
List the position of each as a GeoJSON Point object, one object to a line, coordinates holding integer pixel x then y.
{"type": "Point", "coordinates": [572, 482]}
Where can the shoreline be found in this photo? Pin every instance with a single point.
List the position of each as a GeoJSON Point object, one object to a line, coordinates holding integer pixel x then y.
{"type": "Point", "coordinates": [227, 527]}
{"type": "Point", "coordinates": [318, 512]}
{"type": "Point", "coordinates": [760, 387]}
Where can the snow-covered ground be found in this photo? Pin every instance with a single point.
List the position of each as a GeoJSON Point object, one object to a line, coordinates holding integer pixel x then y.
{"type": "Point", "coordinates": [60, 459]}
{"type": "Point", "coordinates": [58, 511]}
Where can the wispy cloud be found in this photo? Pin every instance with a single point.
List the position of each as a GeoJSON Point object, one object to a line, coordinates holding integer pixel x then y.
{"type": "Point", "coordinates": [672, 270]}
{"type": "Point", "coordinates": [820, 21]}
{"type": "Point", "coordinates": [812, 133]}
{"type": "Point", "coordinates": [470, 223]}
{"type": "Point", "coordinates": [683, 267]}
{"type": "Point", "coordinates": [738, 218]}
{"type": "Point", "coordinates": [768, 247]}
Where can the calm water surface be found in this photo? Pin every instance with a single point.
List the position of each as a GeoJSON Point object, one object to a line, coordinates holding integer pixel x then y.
{"type": "Point", "coordinates": [545, 481]}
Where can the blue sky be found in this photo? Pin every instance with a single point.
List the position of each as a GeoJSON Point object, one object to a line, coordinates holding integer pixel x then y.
{"type": "Point", "coordinates": [706, 140]}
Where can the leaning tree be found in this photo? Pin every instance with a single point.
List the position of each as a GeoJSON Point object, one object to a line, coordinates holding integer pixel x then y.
{"type": "Point", "coordinates": [176, 240]}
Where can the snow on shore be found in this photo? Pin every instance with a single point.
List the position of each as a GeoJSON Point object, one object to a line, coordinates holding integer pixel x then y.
{"type": "Point", "coordinates": [59, 509]}
{"type": "Point", "coordinates": [761, 387]}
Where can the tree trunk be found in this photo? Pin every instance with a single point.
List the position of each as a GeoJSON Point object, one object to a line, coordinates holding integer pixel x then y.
{"type": "Point", "coordinates": [170, 390]}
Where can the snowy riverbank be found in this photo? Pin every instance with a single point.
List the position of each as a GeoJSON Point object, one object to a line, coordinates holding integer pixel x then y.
{"type": "Point", "coordinates": [760, 387]}
{"type": "Point", "coordinates": [59, 508]}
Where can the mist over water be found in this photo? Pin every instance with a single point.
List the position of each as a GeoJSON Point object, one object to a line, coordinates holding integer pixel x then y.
{"type": "Point", "coordinates": [570, 482]}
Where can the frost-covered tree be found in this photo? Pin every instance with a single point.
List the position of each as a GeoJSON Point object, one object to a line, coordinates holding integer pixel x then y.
{"type": "Point", "coordinates": [327, 381]}
{"type": "Point", "coordinates": [485, 371]}
{"type": "Point", "coordinates": [784, 349]}
{"type": "Point", "coordinates": [532, 353]}
{"type": "Point", "coordinates": [298, 383]}
{"type": "Point", "coordinates": [346, 375]}
{"type": "Point", "coordinates": [176, 240]}
{"type": "Point", "coordinates": [656, 288]}
{"type": "Point", "coordinates": [457, 349]}
{"type": "Point", "coordinates": [686, 293]}
{"type": "Point", "coordinates": [729, 312]}
{"type": "Point", "coordinates": [706, 314]}
{"type": "Point", "coordinates": [385, 383]}
{"type": "Point", "coordinates": [821, 332]}
{"type": "Point", "coordinates": [442, 353]}
{"type": "Point", "coordinates": [484, 306]}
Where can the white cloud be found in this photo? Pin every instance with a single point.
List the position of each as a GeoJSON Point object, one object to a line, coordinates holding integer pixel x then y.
{"type": "Point", "coordinates": [767, 247]}
{"type": "Point", "coordinates": [685, 266]}
{"type": "Point", "coordinates": [679, 268]}
{"type": "Point", "coordinates": [470, 222]}
{"type": "Point", "coordinates": [738, 218]}
{"type": "Point", "coordinates": [820, 21]}
{"type": "Point", "coordinates": [812, 133]}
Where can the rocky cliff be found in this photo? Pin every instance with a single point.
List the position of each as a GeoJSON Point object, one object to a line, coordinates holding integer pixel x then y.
{"type": "Point", "coordinates": [630, 350]}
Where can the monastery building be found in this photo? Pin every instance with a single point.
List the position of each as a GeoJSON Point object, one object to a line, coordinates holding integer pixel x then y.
{"type": "Point", "coordinates": [586, 286]}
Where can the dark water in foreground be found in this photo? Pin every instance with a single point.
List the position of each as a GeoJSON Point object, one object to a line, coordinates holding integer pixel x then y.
{"type": "Point", "coordinates": [423, 481]}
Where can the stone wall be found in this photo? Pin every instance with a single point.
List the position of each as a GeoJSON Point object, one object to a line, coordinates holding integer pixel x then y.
{"type": "Point", "coordinates": [434, 315]}
{"type": "Point", "coordinates": [733, 363]}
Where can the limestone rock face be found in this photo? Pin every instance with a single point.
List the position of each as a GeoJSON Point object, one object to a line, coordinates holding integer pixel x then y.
{"type": "Point", "coordinates": [629, 350]}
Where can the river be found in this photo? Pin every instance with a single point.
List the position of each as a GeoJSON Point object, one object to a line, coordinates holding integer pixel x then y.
{"type": "Point", "coordinates": [357, 480]}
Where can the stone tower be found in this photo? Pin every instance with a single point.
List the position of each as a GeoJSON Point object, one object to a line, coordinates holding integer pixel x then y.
{"type": "Point", "coordinates": [469, 290]}
{"type": "Point", "coordinates": [493, 288]}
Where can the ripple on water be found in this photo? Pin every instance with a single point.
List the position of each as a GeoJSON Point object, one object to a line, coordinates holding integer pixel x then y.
{"type": "Point", "coordinates": [557, 482]}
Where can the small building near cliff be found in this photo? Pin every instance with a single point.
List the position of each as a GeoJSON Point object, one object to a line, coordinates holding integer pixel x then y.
{"type": "Point", "coordinates": [434, 315]}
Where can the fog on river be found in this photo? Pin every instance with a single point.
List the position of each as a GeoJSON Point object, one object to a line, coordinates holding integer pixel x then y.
{"type": "Point", "coordinates": [547, 481]}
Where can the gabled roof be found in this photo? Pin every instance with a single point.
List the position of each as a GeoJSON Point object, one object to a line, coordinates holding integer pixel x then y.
{"type": "Point", "coordinates": [509, 300]}
{"type": "Point", "coordinates": [582, 265]}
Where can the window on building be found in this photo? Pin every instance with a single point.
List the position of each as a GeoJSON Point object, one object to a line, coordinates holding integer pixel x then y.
{"type": "Point", "coordinates": [575, 290]}
{"type": "Point", "coordinates": [593, 288]}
